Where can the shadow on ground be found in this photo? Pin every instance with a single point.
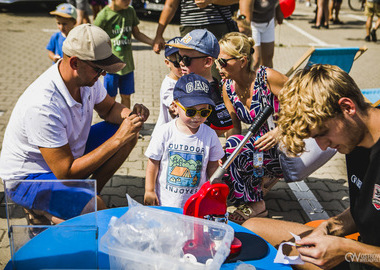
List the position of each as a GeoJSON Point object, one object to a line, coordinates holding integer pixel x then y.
{"type": "Point", "coordinates": [331, 194]}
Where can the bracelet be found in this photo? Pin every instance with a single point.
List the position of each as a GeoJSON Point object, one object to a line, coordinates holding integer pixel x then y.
{"type": "Point", "coordinates": [241, 17]}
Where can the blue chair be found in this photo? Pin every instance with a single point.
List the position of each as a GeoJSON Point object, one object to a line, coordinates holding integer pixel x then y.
{"type": "Point", "coordinates": [341, 57]}
{"type": "Point", "coordinates": [372, 96]}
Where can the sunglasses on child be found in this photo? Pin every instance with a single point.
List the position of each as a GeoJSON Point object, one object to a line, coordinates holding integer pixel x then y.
{"type": "Point", "coordinates": [223, 62]}
{"type": "Point", "coordinates": [191, 112]}
{"type": "Point", "coordinates": [186, 60]}
{"type": "Point", "coordinates": [175, 63]}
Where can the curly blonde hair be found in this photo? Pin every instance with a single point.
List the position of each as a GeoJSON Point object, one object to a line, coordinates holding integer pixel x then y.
{"type": "Point", "coordinates": [309, 99]}
{"type": "Point", "coordinates": [238, 45]}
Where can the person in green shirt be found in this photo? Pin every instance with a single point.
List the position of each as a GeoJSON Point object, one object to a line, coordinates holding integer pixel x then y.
{"type": "Point", "coordinates": [119, 21]}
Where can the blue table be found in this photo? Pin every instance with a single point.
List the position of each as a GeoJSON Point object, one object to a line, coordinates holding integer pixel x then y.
{"type": "Point", "coordinates": [77, 246]}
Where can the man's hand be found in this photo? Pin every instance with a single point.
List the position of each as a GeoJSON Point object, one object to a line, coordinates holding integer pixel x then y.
{"type": "Point", "coordinates": [150, 198]}
{"type": "Point", "coordinates": [202, 3]}
{"type": "Point", "coordinates": [158, 44]}
{"type": "Point", "coordinates": [323, 251]}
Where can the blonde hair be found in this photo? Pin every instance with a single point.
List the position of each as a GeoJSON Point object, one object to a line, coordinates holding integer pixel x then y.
{"type": "Point", "coordinates": [238, 45]}
{"type": "Point", "coordinates": [311, 98]}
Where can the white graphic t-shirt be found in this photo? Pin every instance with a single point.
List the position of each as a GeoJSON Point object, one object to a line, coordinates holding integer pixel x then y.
{"type": "Point", "coordinates": [184, 160]}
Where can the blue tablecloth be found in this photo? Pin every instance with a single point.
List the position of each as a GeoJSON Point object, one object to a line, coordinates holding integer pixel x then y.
{"type": "Point", "coordinates": [73, 246]}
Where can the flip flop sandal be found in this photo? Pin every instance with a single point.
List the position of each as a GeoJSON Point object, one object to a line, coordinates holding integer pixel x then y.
{"type": "Point", "coordinates": [245, 212]}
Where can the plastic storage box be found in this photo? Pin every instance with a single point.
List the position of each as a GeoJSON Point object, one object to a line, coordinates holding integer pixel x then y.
{"type": "Point", "coordinates": [150, 238]}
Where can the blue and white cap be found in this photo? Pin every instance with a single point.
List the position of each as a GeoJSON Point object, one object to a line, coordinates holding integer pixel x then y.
{"type": "Point", "coordinates": [200, 40]}
{"type": "Point", "coordinates": [65, 10]}
{"type": "Point", "coordinates": [169, 50]}
{"type": "Point", "coordinates": [192, 90]}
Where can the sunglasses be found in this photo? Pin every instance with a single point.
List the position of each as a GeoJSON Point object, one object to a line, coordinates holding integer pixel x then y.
{"type": "Point", "coordinates": [191, 112]}
{"type": "Point", "coordinates": [186, 60]}
{"type": "Point", "coordinates": [95, 68]}
{"type": "Point", "coordinates": [223, 62]}
{"type": "Point", "coordinates": [175, 63]}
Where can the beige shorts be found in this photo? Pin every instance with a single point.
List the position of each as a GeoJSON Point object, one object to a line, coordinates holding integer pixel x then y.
{"type": "Point", "coordinates": [371, 9]}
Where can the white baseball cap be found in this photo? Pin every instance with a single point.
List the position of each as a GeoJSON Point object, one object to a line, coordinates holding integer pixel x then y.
{"type": "Point", "coordinates": [90, 43]}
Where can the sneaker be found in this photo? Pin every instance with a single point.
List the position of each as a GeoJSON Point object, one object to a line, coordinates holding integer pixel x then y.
{"type": "Point", "coordinates": [367, 38]}
{"type": "Point", "coordinates": [373, 35]}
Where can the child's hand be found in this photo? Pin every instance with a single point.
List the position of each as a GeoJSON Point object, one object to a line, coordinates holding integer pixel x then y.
{"type": "Point", "coordinates": [172, 111]}
{"type": "Point", "coordinates": [150, 198]}
{"type": "Point", "coordinates": [56, 58]}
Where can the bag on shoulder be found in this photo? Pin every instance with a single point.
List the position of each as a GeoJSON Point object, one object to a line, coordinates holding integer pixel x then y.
{"type": "Point", "coordinates": [231, 24]}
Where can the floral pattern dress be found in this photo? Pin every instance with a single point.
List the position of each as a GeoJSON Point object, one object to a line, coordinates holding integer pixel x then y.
{"type": "Point", "coordinates": [245, 186]}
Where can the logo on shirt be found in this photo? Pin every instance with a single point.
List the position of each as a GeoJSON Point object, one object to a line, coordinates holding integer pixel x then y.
{"type": "Point", "coordinates": [376, 197]}
{"type": "Point", "coordinates": [184, 169]}
{"type": "Point", "coordinates": [355, 180]}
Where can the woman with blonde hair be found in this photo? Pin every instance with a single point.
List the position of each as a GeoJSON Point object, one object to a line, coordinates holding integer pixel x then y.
{"type": "Point", "coordinates": [245, 94]}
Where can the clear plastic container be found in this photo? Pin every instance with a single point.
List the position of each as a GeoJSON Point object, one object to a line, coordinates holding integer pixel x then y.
{"type": "Point", "coordinates": [150, 238]}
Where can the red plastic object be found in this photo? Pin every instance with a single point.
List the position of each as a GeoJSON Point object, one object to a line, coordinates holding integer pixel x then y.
{"type": "Point", "coordinates": [211, 199]}
{"type": "Point", "coordinates": [287, 7]}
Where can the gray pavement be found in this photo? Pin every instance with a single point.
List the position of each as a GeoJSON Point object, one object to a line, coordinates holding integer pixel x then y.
{"type": "Point", "coordinates": [24, 35]}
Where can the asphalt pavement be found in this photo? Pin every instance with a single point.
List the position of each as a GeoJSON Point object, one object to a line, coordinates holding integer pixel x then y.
{"type": "Point", "coordinates": [25, 32]}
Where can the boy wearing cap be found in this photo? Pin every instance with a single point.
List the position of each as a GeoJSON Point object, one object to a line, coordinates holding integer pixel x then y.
{"type": "Point", "coordinates": [184, 153]}
{"type": "Point", "coordinates": [167, 112]}
{"type": "Point", "coordinates": [197, 53]}
{"type": "Point", "coordinates": [65, 16]}
{"type": "Point", "coordinates": [49, 135]}
{"type": "Point", "coordinates": [120, 21]}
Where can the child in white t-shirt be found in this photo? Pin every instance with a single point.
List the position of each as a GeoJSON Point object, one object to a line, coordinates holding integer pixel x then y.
{"type": "Point", "coordinates": [167, 86]}
{"type": "Point", "coordinates": [184, 153]}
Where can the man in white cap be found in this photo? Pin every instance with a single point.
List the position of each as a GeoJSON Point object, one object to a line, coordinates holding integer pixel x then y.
{"type": "Point", "coordinates": [49, 135]}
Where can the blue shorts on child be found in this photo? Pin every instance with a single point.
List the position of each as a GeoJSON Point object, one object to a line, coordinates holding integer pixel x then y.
{"type": "Point", "coordinates": [125, 83]}
{"type": "Point", "coordinates": [60, 199]}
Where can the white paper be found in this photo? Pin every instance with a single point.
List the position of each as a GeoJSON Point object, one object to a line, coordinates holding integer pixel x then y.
{"type": "Point", "coordinates": [281, 258]}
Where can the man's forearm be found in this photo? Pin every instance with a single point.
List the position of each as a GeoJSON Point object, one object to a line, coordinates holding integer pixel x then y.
{"type": "Point", "coordinates": [166, 16]}
{"type": "Point", "coordinates": [246, 9]}
{"type": "Point", "coordinates": [341, 225]}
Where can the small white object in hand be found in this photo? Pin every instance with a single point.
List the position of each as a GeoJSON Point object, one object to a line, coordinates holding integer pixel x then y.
{"type": "Point", "coordinates": [281, 258]}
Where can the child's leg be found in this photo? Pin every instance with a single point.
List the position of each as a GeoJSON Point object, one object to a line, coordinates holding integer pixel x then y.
{"type": "Point", "coordinates": [377, 13]}
{"type": "Point", "coordinates": [368, 25]}
{"type": "Point", "coordinates": [111, 83]}
{"type": "Point", "coordinates": [126, 100]}
{"type": "Point", "coordinates": [331, 10]}
{"type": "Point", "coordinates": [127, 88]}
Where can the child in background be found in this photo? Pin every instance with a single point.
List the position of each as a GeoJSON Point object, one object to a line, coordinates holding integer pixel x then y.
{"type": "Point", "coordinates": [166, 93]}
{"type": "Point", "coordinates": [184, 153]}
{"type": "Point", "coordinates": [66, 17]}
{"type": "Point", "coordinates": [197, 53]}
{"type": "Point", "coordinates": [120, 21]}
{"type": "Point", "coordinates": [372, 8]}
